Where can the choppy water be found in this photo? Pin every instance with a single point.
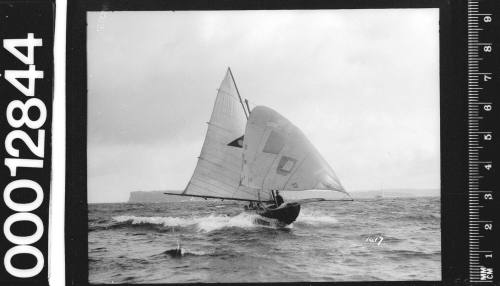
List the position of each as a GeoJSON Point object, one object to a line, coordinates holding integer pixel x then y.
{"type": "Point", "coordinates": [384, 239]}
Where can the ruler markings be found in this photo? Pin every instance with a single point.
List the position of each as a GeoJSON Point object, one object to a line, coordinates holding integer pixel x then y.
{"type": "Point", "coordinates": [476, 18]}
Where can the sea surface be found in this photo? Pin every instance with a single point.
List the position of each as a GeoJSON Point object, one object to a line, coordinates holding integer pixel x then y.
{"type": "Point", "coordinates": [363, 240]}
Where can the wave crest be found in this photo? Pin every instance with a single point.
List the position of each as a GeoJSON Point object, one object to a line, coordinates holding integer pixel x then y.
{"type": "Point", "coordinates": [316, 218]}
{"type": "Point", "coordinates": [217, 221]}
{"type": "Point", "coordinates": [207, 223]}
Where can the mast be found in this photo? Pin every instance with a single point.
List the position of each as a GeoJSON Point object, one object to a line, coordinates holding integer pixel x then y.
{"type": "Point", "coordinates": [238, 92]}
{"type": "Point", "coordinates": [248, 107]}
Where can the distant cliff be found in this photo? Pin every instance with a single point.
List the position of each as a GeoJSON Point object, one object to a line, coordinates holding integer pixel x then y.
{"type": "Point", "coordinates": [155, 197]}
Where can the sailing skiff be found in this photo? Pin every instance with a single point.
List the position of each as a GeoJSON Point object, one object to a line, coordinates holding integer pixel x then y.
{"type": "Point", "coordinates": [251, 154]}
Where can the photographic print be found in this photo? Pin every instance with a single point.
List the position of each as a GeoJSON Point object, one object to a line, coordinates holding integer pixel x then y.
{"type": "Point", "coordinates": [263, 146]}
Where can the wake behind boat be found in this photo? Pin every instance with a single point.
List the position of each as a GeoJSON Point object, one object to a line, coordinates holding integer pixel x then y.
{"type": "Point", "coordinates": [252, 154]}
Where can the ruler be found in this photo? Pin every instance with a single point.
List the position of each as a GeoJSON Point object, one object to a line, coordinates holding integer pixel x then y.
{"type": "Point", "coordinates": [482, 80]}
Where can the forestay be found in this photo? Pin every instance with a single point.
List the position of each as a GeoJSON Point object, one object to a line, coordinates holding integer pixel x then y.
{"type": "Point", "coordinates": [277, 156]}
{"type": "Point", "coordinates": [217, 173]}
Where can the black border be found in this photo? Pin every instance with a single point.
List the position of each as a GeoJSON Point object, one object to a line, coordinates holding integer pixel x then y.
{"type": "Point", "coordinates": [453, 110]}
{"type": "Point", "coordinates": [17, 19]}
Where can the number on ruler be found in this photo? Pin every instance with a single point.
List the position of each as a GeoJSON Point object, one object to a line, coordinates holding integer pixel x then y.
{"type": "Point", "coordinates": [487, 107]}
{"type": "Point", "coordinates": [487, 49]}
{"type": "Point", "coordinates": [488, 226]}
{"type": "Point", "coordinates": [487, 137]}
{"type": "Point", "coordinates": [487, 19]}
{"type": "Point", "coordinates": [486, 77]}
{"type": "Point", "coordinates": [488, 196]}
{"type": "Point", "coordinates": [487, 166]}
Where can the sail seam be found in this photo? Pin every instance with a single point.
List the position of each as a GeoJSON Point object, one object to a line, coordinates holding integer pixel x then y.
{"type": "Point", "coordinates": [224, 92]}
{"type": "Point", "coordinates": [250, 193]}
{"type": "Point", "coordinates": [207, 158]}
{"type": "Point", "coordinates": [218, 172]}
{"type": "Point", "coordinates": [218, 126]}
{"type": "Point", "coordinates": [200, 187]}
{"type": "Point", "coordinates": [221, 182]}
{"type": "Point", "coordinates": [268, 170]}
{"type": "Point", "coordinates": [217, 164]}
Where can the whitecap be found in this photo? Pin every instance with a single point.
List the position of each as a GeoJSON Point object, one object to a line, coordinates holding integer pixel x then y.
{"type": "Point", "coordinates": [205, 223]}
{"type": "Point", "coordinates": [316, 218]}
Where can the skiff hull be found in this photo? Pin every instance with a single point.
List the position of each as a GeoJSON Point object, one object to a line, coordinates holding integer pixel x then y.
{"type": "Point", "coordinates": [284, 214]}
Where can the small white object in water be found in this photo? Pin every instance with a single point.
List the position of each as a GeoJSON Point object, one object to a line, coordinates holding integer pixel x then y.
{"type": "Point", "coordinates": [179, 248]}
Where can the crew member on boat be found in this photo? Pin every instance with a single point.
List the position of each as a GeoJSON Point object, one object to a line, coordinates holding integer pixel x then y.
{"type": "Point", "coordinates": [279, 199]}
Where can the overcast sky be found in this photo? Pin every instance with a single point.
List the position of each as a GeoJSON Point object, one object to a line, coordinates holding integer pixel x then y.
{"type": "Point", "coordinates": [363, 85]}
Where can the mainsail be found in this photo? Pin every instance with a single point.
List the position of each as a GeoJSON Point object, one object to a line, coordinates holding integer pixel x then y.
{"type": "Point", "coordinates": [277, 156]}
{"type": "Point", "coordinates": [217, 173]}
